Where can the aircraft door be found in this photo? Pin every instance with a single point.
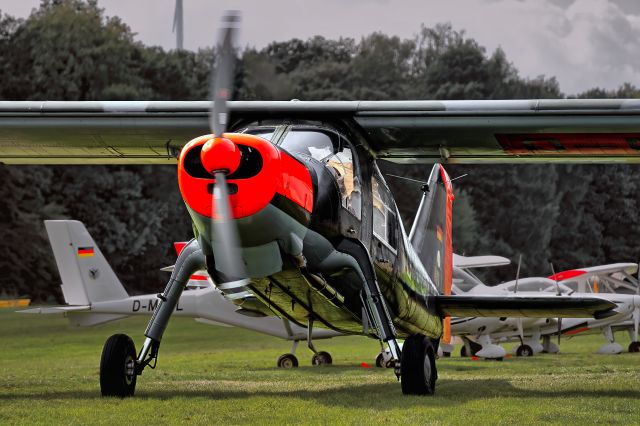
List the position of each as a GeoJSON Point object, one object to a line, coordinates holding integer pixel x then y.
{"type": "Point", "coordinates": [343, 166]}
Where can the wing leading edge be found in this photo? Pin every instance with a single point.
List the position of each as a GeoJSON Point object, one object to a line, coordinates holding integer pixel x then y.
{"type": "Point", "coordinates": [525, 306]}
{"type": "Point", "coordinates": [518, 131]}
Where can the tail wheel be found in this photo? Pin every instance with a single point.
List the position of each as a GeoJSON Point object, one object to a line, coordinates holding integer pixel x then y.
{"type": "Point", "coordinates": [418, 372]}
{"type": "Point", "coordinates": [321, 358]}
{"type": "Point", "coordinates": [118, 367]}
{"type": "Point", "coordinates": [463, 352]}
{"type": "Point", "coordinates": [524, 350]}
{"type": "Point", "coordinates": [380, 361]}
{"type": "Point", "coordinates": [287, 361]}
{"type": "Point", "coordinates": [634, 347]}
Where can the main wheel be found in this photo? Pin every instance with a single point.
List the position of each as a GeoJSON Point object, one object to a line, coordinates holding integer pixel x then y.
{"type": "Point", "coordinates": [418, 368]}
{"type": "Point", "coordinates": [524, 350]}
{"type": "Point", "coordinates": [380, 361]}
{"type": "Point", "coordinates": [321, 358]}
{"type": "Point", "coordinates": [287, 361]}
{"type": "Point", "coordinates": [634, 347]}
{"type": "Point", "coordinates": [118, 367]}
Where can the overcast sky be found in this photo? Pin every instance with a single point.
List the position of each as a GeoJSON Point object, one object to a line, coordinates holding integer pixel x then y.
{"type": "Point", "coordinates": [584, 43]}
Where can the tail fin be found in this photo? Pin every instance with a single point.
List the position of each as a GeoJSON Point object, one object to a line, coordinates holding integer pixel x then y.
{"type": "Point", "coordinates": [86, 274]}
{"type": "Point", "coordinates": [431, 234]}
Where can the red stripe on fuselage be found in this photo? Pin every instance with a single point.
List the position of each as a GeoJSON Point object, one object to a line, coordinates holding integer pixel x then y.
{"type": "Point", "coordinates": [448, 244]}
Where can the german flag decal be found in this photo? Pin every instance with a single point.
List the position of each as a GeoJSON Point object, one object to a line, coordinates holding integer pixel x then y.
{"type": "Point", "coordinates": [85, 251]}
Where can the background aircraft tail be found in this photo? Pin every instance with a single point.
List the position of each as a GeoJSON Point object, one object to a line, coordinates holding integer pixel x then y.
{"type": "Point", "coordinates": [86, 275]}
{"type": "Point", "coordinates": [431, 233]}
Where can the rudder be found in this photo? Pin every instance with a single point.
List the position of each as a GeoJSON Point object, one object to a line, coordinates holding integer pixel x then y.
{"type": "Point", "coordinates": [431, 233]}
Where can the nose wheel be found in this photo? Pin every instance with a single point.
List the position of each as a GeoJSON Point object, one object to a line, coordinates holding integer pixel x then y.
{"type": "Point", "coordinates": [524, 350]}
{"type": "Point", "coordinates": [321, 358]}
{"type": "Point", "coordinates": [118, 367]}
{"type": "Point", "coordinates": [287, 361]}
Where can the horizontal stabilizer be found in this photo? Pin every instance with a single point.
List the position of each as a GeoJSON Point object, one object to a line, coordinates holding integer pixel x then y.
{"type": "Point", "coordinates": [466, 262]}
{"type": "Point", "coordinates": [525, 306]}
{"type": "Point", "coordinates": [55, 309]}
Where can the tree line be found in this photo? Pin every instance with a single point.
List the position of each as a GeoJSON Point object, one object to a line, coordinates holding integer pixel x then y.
{"type": "Point", "coordinates": [571, 215]}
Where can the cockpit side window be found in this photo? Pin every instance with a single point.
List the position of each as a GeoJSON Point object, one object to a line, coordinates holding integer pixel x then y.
{"type": "Point", "coordinates": [385, 221]}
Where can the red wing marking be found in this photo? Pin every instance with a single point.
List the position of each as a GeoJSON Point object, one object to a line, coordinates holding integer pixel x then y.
{"type": "Point", "coordinates": [576, 331]}
{"type": "Point", "coordinates": [565, 275]}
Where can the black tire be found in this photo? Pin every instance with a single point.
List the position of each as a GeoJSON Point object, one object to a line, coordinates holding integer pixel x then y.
{"type": "Point", "coordinates": [524, 350]}
{"type": "Point", "coordinates": [463, 351]}
{"type": "Point", "coordinates": [446, 354]}
{"type": "Point", "coordinates": [117, 367]}
{"type": "Point", "coordinates": [418, 372]}
{"type": "Point", "coordinates": [380, 361]}
{"type": "Point", "coordinates": [321, 358]}
{"type": "Point", "coordinates": [634, 347]}
{"type": "Point", "coordinates": [287, 361]}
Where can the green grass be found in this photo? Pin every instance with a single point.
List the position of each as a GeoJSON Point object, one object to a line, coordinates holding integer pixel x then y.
{"type": "Point", "coordinates": [218, 375]}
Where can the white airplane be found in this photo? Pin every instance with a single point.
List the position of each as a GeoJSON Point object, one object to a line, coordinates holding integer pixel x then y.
{"type": "Point", "coordinates": [613, 282]}
{"type": "Point", "coordinates": [95, 295]}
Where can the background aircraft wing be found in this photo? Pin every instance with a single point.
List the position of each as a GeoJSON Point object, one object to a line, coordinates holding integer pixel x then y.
{"type": "Point", "coordinates": [514, 131]}
{"type": "Point", "coordinates": [525, 306]}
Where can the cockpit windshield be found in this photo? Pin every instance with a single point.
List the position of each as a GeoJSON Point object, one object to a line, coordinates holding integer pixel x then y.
{"type": "Point", "coordinates": [318, 145]}
{"type": "Point", "coordinates": [263, 132]}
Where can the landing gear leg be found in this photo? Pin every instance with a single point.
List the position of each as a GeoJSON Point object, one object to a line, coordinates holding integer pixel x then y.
{"type": "Point", "coordinates": [318, 358]}
{"type": "Point", "coordinates": [119, 366]}
{"type": "Point", "coordinates": [379, 316]}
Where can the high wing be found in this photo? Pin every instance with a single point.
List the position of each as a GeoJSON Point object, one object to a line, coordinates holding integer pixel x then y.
{"type": "Point", "coordinates": [525, 306]}
{"type": "Point", "coordinates": [517, 131]}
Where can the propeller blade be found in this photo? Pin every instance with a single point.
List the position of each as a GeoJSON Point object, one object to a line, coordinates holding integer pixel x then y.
{"type": "Point", "coordinates": [224, 233]}
{"type": "Point", "coordinates": [222, 81]}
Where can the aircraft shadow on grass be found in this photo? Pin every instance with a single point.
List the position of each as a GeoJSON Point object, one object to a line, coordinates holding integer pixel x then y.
{"type": "Point", "coordinates": [450, 393]}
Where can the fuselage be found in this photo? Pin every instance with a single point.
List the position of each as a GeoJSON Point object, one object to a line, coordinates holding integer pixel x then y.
{"type": "Point", "coordinates": [315, 217]}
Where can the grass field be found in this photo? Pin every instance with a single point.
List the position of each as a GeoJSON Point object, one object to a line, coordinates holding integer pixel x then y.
{"type": "Point", "coordinates": [217, 375]}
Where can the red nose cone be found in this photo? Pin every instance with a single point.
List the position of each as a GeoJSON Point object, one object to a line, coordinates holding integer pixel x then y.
{"type": "Point", "coordinates": [220, 154]}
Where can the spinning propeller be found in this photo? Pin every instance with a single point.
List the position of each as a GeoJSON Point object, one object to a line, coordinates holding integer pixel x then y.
{"type": "Point", "coordinates": [221, 157]}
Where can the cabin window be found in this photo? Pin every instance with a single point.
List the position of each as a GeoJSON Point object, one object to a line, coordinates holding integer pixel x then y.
{"type": "Point", "coordinates": [341, 165]}
{"type": "Point", "coordinates": [385, 222]}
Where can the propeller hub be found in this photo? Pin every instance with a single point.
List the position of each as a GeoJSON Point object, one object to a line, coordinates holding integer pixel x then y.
{"type": "Point", "coordinates": [220, 155]}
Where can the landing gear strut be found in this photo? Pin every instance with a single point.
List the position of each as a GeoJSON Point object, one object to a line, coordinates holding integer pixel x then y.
{"type": "Point", "coordinates": [119, 366]}
{"type": "Point", "coordinates": [318, 358]}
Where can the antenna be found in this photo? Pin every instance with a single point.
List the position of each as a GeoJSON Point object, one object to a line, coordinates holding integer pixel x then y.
{"type": "Point", "coordinates": [553, 272]}
{"type": "Point", "coordinates": [515, 290]}
{"type": "Point", "coordinates": [178, 22]}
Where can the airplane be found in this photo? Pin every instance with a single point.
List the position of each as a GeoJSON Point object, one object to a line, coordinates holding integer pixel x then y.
{"type": "Point", "coordinates": [478, 334]}
{"type": "Point", "coordinates": [292, 217]}
{"type": "Point", "coordinates": [94, 295]}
